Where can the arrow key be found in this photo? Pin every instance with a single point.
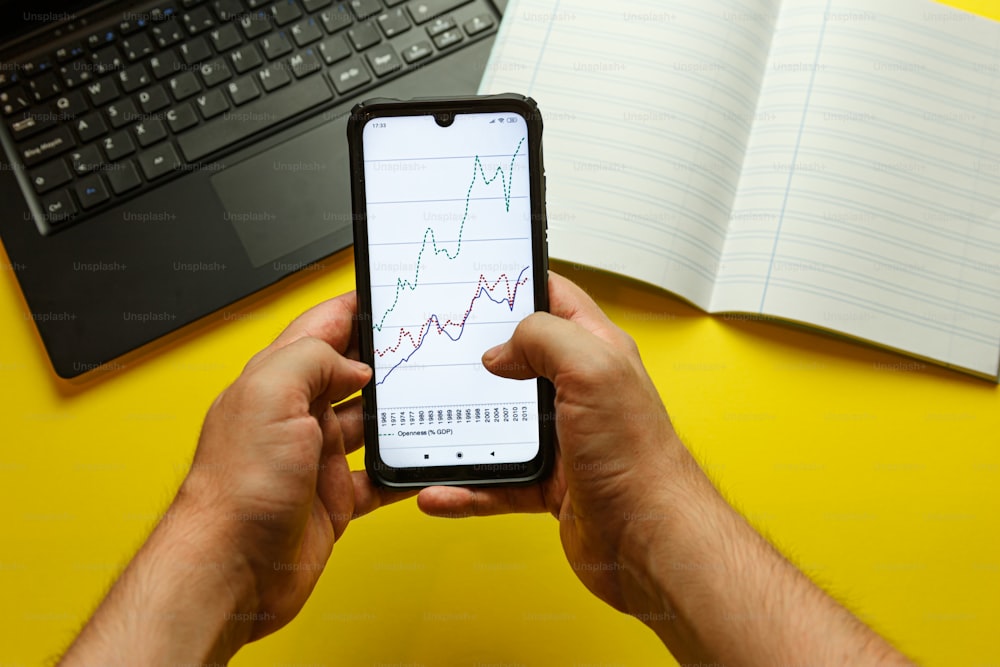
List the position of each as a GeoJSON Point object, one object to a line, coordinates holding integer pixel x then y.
{"type": "Point", "coordinates": [49, 176]}
{"type": "Point", "coordinates": [384, 60]}
{"type": "Point", "coordinates": [349, 75]}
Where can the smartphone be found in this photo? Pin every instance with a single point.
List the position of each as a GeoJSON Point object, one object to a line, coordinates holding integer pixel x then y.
{"type": "Point", "coordinates": [450, 252]}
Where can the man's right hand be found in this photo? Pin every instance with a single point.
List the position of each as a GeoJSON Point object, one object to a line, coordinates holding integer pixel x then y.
{"type": "Point", "coordinates": [619, 460]}
{"type": "Point", "coordinates": [641, 524]}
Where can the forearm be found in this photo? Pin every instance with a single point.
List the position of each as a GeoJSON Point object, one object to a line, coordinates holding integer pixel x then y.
{"type": "Point", "coordinates": [184, 599]}
{"type": "Point", "coordinates": [715, 591]}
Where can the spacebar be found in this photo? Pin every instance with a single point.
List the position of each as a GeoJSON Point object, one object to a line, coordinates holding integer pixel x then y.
{"type": "Point", "coordinates": [250, 119]}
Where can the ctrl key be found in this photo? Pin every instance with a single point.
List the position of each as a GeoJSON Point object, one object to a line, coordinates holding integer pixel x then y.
{"type": "Point", "coordinates": [58, 207]}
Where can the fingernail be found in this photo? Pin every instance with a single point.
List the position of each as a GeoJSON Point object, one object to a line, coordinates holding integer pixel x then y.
{"type": "Point", "coordinates": [492, 353]}
{"type": "Point", "coordinates": [360, 365]}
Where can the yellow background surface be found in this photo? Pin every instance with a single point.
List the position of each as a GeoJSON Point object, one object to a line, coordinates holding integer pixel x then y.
{"type": "Point", "coordinates": [877, 474]}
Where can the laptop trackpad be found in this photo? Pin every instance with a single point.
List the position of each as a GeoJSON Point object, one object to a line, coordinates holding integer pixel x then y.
{"type": "Point", "coordinates": [288, 196]}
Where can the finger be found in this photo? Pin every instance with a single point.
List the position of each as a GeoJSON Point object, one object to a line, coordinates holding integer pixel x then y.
{"type": "Point", "coordinates": [568, 301]}
{"type": "Point", "coordinates": [456, 502]}
{"type": "Point", "coordinates": [368, 497]}
{"type": "Point", "coordinates": [298, 374]}
{"type": "Point", "coordinates": [545, 345]}
{"type": "Point", "coordinates": [352, 423]}
{"type": "Point", "coordinates": [333, 321]}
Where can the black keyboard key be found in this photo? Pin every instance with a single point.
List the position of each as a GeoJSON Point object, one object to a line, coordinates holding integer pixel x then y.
{"type": "Point", "coordinates": [315, 5]}
{"type": "Point", "coordinates": [274, 76]}
{"type": "Point", "coordinates": [393, 3]}
{"type": "Point", "coordinates": [337, 18]}
{"type": "Point", "coordinates": [149, 131]}
{"type": "Point", "coordinates": [305, 63]}
{"type": "Point", "coordinates": [184, 85]}
{"type": "Point", "coordinates": [14, 99]}
{"type": "Point", "coordinates": [384, 60]}
{"type": "Point", "coordinates": [306, 32]}
{"type": "Point", "coordinates": [131, 25]}
{"type": "Point", "coordinates": [448, 38]}
{"type": "Point", "coordinates": [45, 86]}
{"type": "Point", "coordinates": [137, 47]}
{"type": "Point", "coordinates": [215, 72]}
{"type": "Point", "coordinates": [118, 145]}
{"type": "Point", "coordinates": [169, 33]}
{"type": "Point", "coordinates": [91, 191]}
{"type": "Point", "coordinates": [364, 35]}
{"type": "Point", "coordinates": [393, 22]}
{"type": "Point", "coordinates": [99, 38]}
{"type": "Point", "coordinates": [439, 25]}
{"type": "Point", "coordinates": [333, 49]}
{"type": "Point", "coordinates": [245, 58]}
{"type": "Point", "coordinates": [254, 4]}
{"type": "Point", "coordinates": [243, 90]}
{"type": "Point", "coordinates": [285, 11]}
{"type": "Point", "coordinates": [108, 59]}
{"type": "Point", "coordinates": [165, 64]}
{"type": "Point", "coordinates": [134, 78]}
{"type": "Point", "coordinates": [211, 104]}
{"type": "Point", "coordinates": [59, 207]}
{"type": "Point", "coordinates": [195, 51]}
{"type": "Point", "coordinates": [48, 145]}
{"type": "Point", "coordinates": [123, 177]}
{"type": "Point", "coordinates": [199, 20]}
{"type": "Point", "coordinates": [103, 91]}
{"type": "Point", "coordinates": [423, 11]}
{"type": "Point", "coordinates": [226, 10]}
{"type": "Point", "coordinates": [50, 175]}
{"type": "Point", "coordinates": [225, 38]}
{"type": "Point", "coordinates": [163, 12]}
{"type": "Point", "coordinates": [159, 161]}
{"type": "Point", "coordinates": [478, 24]}
{"type": "Point", "coordinates": [153, 99]}
{"type": "Point", "coordinates": [69, 52]}
{"type": "Point", "coordinates": [266, 112]}
{"type": "Point", "coordinates": [349, 75]}
{"type": "Point", "coordinates": [365, 8]}
{"type": "Point", "coordinates": [8, 78]}
{"type": "Point", "coordinates": [256, 24]}
{"type": "Point", "coordinates": [187, 4]}
{"type": "Point", "coordinates": [181, 118]}
{"type": "Point", "coordinates": [29, 123]}
{"type": "Point", "coordinates": [417, 51]}
{"type": "Point", "coordinates": [76, 73]}
{"type": "Point", "coordinates": [122, 113]}
{"type": "Point", "coordinates": [37, 66]}
{"type": "Point", "coordinates": [90, 127]}
{"type": "Point", "coordinates": [70, 105]}
{"type": "Point", "coordinates": [85, 160]}
{"type": "Point", "coordinates": [275, 45]}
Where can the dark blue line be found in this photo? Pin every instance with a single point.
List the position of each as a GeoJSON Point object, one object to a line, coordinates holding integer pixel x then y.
{"type": "Point", "coordinates": [795, 155]}
{"type": "Point", "coordinates": [434, 318]}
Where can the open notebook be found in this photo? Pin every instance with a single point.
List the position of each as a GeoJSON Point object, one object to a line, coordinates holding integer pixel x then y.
{"type": "Point", "coordinates": [829, 162]}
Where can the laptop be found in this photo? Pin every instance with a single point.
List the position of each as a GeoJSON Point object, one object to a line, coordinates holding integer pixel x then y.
{"type": "Point", "coordinates": [163, 160]}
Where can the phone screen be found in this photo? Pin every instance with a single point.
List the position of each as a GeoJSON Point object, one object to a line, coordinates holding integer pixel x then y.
{"type": "Point", "coordinates": [450, 261]}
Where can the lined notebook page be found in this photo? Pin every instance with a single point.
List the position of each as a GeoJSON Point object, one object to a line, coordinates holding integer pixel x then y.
{"type": "Point", "coordinates": [870, 198]}
{"type": "Point", "coordinates": [647, 109]}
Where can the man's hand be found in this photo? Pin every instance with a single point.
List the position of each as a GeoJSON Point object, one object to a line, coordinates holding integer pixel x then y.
{"type": "Point", "coordinates": [641, 524]}
{"type": "Point", "coordinates": [268, 494]}
{"type": "Point", "coordinates": [616, 443]}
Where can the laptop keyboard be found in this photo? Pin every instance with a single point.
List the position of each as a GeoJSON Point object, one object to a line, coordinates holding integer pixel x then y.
{"type": "Point", "coordinates": [121, 110]}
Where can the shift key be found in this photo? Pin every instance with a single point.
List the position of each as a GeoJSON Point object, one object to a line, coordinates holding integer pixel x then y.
{"type": "Point", "coordinates": [252, 118]}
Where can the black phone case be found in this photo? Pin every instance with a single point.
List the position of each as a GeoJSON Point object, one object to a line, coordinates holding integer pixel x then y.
{"type": "Point", "coordinates": [507, 474]}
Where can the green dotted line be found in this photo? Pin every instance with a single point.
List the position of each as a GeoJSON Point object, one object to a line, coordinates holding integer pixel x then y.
{"type": "Point", "coordinates": [477, 168]}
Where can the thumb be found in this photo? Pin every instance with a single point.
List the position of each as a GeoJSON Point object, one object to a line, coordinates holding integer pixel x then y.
{"type": "Point", "coordinates": [542, 345]}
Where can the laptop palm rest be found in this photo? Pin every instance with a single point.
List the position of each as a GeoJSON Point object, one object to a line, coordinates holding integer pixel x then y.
{"type": "Point", "coordinates": [288, 196]}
